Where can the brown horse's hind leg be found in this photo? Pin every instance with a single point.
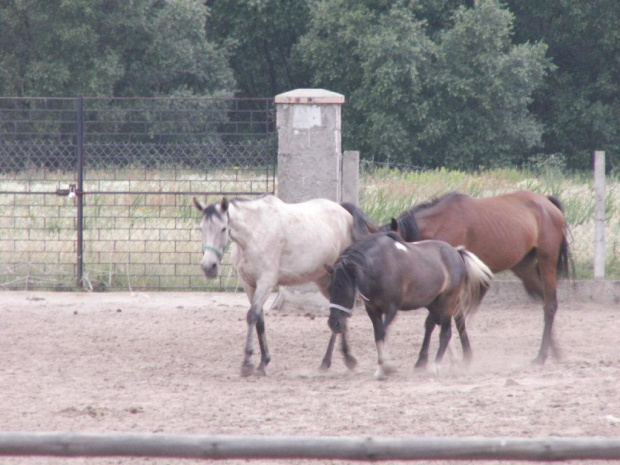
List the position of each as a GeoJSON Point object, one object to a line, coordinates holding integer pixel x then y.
{"type": "Point", "coordinates": [550, 307]}
{"type": "Point", "coordinates": [527, 271]}
{"type": "Point", "coordinates": [540, 280]}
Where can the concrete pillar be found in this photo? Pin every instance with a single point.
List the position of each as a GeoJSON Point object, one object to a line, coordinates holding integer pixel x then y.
{"type": "Point", "coordinates": [309, 145]}
{"type": "Point", "coordinates": [351, 177]}
{"type": "Point", "coordinates": [309, 166]}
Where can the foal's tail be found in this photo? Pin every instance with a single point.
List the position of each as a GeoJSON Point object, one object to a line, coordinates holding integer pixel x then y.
{"type": "Point", "coordinates": [362, 227]}
{"type": "Point", "coordinates": [477, 282]}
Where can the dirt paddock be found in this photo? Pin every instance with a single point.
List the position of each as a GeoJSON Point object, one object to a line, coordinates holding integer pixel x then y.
{"type": "Point", "coordinates": [170, 362]}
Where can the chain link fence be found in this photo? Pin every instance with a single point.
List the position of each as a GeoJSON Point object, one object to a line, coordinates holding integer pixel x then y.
{"type": "Point", "coordinates": [97, 193]}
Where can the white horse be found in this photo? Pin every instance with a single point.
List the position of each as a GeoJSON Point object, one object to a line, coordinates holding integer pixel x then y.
{"type": "Point", "coordinates": [274, 242]}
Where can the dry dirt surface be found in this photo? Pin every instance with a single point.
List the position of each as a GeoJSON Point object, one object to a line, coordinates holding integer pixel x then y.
{"type": "Point", "coordinates": [170, 363]}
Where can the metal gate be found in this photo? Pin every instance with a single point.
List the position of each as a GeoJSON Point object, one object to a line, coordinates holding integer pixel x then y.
{"type": "Point", "coordinates": [97, 193]}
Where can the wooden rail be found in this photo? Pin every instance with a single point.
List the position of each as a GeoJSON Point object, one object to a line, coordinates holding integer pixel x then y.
{"type": "Point", "coordinates": [318, 447]}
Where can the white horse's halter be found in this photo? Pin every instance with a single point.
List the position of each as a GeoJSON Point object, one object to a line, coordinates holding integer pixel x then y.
{"type": "Point", "coordinates": [341, 308]}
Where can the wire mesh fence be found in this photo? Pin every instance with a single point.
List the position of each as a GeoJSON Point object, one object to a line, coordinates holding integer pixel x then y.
{"type": "Point", "coordinates": [97, 193]}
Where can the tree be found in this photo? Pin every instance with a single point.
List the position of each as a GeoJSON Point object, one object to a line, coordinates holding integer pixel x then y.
{"type": "Point", "coordinates": [580, 102]}
{"type": "Point", "coordinates": [260, 35]}
{"type": "Point", "coordinates": [109, 48]}
{"type": "Point", "coordinates": [482, 87]}
{"type": "Point", "coordinates": [455, 97]}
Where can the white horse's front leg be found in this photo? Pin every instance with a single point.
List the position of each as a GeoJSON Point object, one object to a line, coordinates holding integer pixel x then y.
{"type": "Point", "coordinates": [256, 319]}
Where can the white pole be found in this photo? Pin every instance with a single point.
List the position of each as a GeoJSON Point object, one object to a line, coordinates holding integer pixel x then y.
{"type": "Point", "coordinates": [599, 215]}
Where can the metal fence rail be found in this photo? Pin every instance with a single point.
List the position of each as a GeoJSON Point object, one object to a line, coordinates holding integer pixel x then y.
{"type": "Point", "coordinates": [96, 193]}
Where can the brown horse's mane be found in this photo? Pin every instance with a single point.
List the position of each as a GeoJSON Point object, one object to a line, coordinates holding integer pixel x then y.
{"type": "Point", "coordinates": [432, 203]}
{"type": "Point", "coordinates": [408, 225]}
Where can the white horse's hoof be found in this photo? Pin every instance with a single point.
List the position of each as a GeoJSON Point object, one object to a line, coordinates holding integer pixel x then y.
{"type": "Point", "coordinates": [247, 369]}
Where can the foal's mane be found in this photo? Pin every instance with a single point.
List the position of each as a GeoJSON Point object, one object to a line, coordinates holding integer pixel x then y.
{"type": "Point", "coordinates": [353, 259]}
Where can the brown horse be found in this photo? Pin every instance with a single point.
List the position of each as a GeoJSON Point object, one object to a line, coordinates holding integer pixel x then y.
{"type": "Point", "coordinates": [524, 232]}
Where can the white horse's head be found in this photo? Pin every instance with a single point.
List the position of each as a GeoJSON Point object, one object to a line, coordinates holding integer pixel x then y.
{"type": "Point", "coordinates": [215, 235]}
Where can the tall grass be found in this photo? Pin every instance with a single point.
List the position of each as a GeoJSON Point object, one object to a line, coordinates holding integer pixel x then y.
{"type": "Point", "coordinates": [386, 193]}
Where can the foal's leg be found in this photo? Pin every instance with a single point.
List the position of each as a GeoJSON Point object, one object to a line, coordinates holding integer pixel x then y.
{"type": "Point", "coordinates": [349, 360]}
{"type": "Point", "coordinates": [459, 319]}
{"type": "Point", "coordinates": [327, 358]}
{"type": "Point", "coordinates": [429, 326]}
{"type": "Point", "coordinates": [379, 327]}
{"type": "Point", "coordinates": [444, 338]}
{"type": "Point", "coordinates": [255, 318]}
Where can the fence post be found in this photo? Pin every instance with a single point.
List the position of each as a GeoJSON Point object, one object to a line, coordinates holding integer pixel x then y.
{"type": "Point", "coordinates": [309, 145]}
{"type": "Point", "coordinates": [80, 190]}
{"type": "Point", "coordinates": [599, 215]}
{"type": "Point", "coordinates": [309, 165]}
{"type": "Point", "coordinates": [351, 177]}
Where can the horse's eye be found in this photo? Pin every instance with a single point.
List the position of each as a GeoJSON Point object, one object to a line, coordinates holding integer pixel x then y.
{"type": "Point", "coordinates": [224, 229]}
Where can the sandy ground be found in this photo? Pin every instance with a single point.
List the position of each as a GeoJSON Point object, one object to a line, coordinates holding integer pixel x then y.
{"type": "Point", "coordinates": [170, 362]}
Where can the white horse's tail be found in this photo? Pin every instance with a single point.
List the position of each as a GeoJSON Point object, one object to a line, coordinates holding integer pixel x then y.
{"type": "Point", "coordinates": [477, 283]}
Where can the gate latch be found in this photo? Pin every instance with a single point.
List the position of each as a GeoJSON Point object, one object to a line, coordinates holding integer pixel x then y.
{"type": "Point", "coordinates": [72, 192]}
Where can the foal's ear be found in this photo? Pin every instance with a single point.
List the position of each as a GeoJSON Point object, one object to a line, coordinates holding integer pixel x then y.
{"type": "Point", "coordinates": [199, 206]}
{"type": "Point", "coordinates": [394, 225]}
{"type": "Point", "coordinates": [224, 205]}
{"type": "Point", "coordinates": [329, 269]}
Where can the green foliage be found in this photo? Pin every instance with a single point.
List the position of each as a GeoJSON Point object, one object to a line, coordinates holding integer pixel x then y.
{"type": "Point", "coordinates": [580, 102]}
{"type": "Point", "coordinates": [465, 84]}
{"type": "Point", "coordinates": [259, 35]}
{"type": "Point", "coordinates": [482, 87]}
{"type": "Point", "coordinates": [109, 48]}
{"type": "Point", "coordinates": [457, 98]}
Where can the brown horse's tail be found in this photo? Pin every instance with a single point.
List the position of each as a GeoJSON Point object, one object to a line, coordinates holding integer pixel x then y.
{"type": "Point", "coordinates": [564, 257]}
{"type": "Point", "coordinates": [361, 225]}
{"type": "Point", "coordinates": [477, 282]}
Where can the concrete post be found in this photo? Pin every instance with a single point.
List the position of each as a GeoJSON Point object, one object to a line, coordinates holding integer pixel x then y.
{"type": "Point", "coordinates": [351, 177]}
{"type": "Point", "coordinates": [309, 145]}
{"type": "Point", "coordinates": [309, 166]}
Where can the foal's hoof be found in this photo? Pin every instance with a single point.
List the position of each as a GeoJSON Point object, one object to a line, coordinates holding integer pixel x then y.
{"type": "Point", "coordinates": [420, 366]}
{"type": "Point", "coordinates": [539, 360]}
{"type": "Point", "coordinates": [383, 371]}
{"type": "Point", "coordinates": [325, 365]}
{"type": "Point", "coordinates": [247, 369]}
{"type": "Point", "coordinates": [351, 362]}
